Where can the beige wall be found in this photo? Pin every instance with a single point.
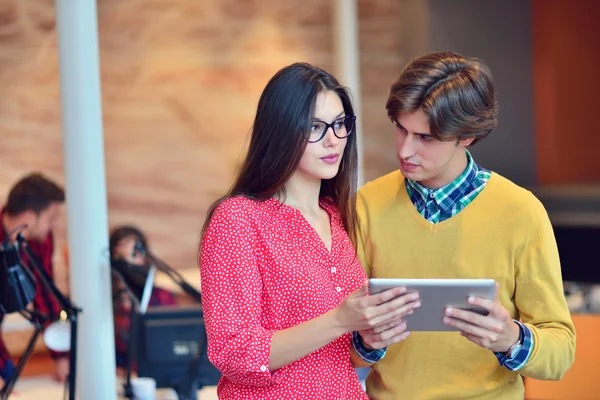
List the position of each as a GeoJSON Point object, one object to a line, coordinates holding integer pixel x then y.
{"type": "Point", "coordinates": [180, 82]}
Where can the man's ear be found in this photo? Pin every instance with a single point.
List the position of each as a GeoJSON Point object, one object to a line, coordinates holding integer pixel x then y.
{"type": "Point", "coordinates": [29, 216]}
{"type": "Point", "coordinates": [466, 142]}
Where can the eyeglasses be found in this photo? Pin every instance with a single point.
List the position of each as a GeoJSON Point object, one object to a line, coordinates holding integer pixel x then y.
{"type": "Point", "coordinates": [342, 127]}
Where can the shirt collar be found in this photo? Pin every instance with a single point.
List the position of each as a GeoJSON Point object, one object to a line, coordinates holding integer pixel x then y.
{"type": "Point", "coordinates": [448, 195]}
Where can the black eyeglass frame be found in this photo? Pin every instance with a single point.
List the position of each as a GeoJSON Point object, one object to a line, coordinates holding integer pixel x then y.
{"type": "Point", "coordinates": [327, 126]}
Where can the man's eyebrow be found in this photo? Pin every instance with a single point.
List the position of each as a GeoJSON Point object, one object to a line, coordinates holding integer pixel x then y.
{"type": "Point", "coordinates": [416, 133]}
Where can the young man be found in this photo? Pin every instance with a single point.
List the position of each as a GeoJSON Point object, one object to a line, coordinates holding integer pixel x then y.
{"type": "Point", "coordinates": [36, 202]}
{"type": "Point", "coordinates": [444, 216]}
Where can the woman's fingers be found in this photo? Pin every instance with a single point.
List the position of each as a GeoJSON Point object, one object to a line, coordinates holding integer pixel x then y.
{"type": "Point", "coordinates": [395, 309]}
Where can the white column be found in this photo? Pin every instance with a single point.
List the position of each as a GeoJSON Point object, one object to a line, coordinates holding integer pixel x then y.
{"type": "Point", "coordinates": [347, 63]}
{"type": "Point", "coordinates": [77, 29]}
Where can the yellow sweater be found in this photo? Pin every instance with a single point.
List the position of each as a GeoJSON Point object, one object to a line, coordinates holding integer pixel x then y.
{"type": "Point", "coordinates": [504, 234]}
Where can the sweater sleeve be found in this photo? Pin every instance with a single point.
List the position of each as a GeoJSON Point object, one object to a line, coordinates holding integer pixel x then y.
{"type": "Point", "coordinates": [238, 345]}
{"type": "Point", "coordinates": [542, 306]}
{"type": "Point", "coordinates": [362, 249]}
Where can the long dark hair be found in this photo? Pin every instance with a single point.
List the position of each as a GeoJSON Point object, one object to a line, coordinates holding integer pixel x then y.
{"type": "Point", "coordinates": [123, 232]}
{"type": "Point", "coordinates": [279, 137]}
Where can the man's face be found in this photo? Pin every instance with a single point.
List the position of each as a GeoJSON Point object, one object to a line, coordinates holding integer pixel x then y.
{"type": "Point", "coordinates": [41, 225]}
{"type": "Point", "coordinates": [424, 159]}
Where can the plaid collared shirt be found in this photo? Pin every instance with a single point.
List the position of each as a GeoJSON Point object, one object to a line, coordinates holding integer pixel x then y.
{"type": "Point", "coordinates": [437, 205]}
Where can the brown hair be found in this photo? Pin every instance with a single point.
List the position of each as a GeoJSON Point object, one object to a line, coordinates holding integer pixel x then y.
{"type": "Point", "coordinates": [456, 93]}
{"type": "Point", "coordinates": [35, 193]}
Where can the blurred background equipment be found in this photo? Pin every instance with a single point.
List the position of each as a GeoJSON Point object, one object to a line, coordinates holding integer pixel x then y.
{"type": "Point", "coordinates": [171, 348]}
{"type": "Point", "coordinates": [167, 344]}
{"type": "Point", "coordinates": [17, 288]}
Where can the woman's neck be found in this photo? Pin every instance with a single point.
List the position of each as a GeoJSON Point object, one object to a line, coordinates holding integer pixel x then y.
{"type": "Point", "coordinates": [302, 193]}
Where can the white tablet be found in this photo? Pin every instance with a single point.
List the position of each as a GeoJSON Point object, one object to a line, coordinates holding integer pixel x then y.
{"type": "Point", "coordinates": [435, 296]}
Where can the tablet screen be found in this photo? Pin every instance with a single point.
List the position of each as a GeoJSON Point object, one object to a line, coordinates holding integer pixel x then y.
{"type": "Point", "coordinates": [435, 296]}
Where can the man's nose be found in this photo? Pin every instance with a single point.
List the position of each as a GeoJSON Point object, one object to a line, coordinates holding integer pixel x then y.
{"type": "Point", "coordinates": [405, 147]}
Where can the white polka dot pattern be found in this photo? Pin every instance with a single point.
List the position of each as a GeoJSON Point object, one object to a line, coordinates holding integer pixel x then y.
{"type": "Point", "coordinates": [264, 269]}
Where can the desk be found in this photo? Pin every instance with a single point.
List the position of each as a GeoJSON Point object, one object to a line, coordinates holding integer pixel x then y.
{"type": "Point", "coordinates": [45, 388]}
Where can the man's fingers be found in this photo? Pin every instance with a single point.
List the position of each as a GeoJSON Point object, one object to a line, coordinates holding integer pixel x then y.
{"type": "Point", "coordinates": [396, 313]}
{"type": "Point", "coordinates": [396, 339]}
{"type": "Point", "coordinates": [476, 339]}
{"type": "Point", "coordinates": [487, 337]}
{"type": "Point", "coordinates": [386, 338]}
{"type": "Point", "coordinates": [388, 325]}
{"type": "Point", "coordinates": [393, 332]}
{"type": "Point", "coordinates": [472, 318]}
{"type": "Point", "coordinates": [488, 304]}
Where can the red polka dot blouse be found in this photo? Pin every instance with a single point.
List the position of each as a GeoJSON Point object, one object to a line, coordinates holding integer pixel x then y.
{"type": "Point", "coordinates": [263, 269]}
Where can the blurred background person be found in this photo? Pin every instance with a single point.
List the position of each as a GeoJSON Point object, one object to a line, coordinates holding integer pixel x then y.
{"type": "Point", "coordinates": [33, 207]}
{"type": "Point", "coordinates": [128, 243]}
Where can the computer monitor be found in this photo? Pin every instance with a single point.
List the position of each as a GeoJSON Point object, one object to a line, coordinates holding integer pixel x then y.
{"type": "Point", "coordinates": [171, 347]}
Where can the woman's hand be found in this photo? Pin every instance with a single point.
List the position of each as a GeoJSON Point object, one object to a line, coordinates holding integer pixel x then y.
{"type": "Point", "coordinates": [361, 311]}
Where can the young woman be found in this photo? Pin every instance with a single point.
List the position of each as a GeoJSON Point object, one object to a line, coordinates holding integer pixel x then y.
{"type": "Point", "coordinates": [122, 244]}
{"type": "Point", "coordinates": [282, 287]}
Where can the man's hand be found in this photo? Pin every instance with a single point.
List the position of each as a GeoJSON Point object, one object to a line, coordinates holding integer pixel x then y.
{"type": "Point", "coordinates": [62, 369]}
{"type": "Point", "coordinates": [384, 335]}
{"type": "Point", "coordinates": [497, 331]}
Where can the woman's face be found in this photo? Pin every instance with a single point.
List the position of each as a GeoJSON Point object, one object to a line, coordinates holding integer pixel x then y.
{"type": "Point", "coordinates": [125, 249]}
{"type": "Point", "coordinates": [321, 160]}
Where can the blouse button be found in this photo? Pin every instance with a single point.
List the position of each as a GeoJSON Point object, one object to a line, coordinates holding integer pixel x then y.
{"type": "Point", "coordinates": [333, 270]}
{"type": "Point", "coordinates": [263, 368]}
{"type": "Point", "coordinates": [339, 289]}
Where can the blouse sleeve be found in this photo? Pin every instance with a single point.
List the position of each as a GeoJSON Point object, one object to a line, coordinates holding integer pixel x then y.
{"type": "Point", "coordinates": [238, 345]}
